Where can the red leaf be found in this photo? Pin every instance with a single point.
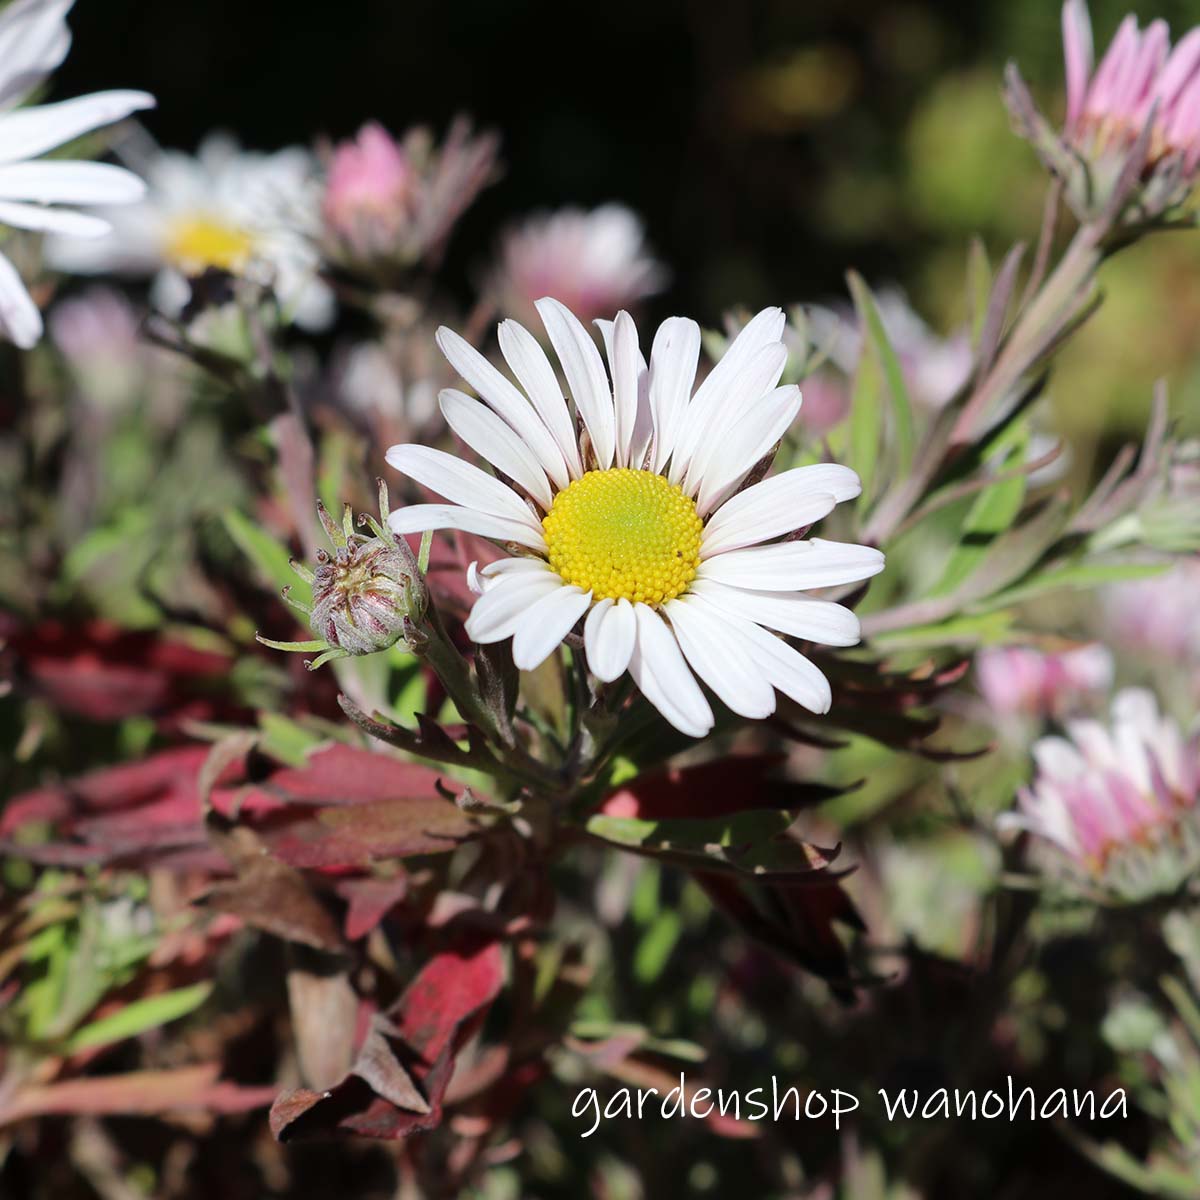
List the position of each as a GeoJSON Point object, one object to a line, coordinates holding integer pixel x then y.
{"type": "Point", "coordinates": [415, 1047]}
{"type": "Point", "coordinates": [96, 670]}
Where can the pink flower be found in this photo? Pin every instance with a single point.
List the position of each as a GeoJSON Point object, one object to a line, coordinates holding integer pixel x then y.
{"type": "Point", "coordinates": [390, 204]}
{"type": "Point", "coordinates": [595, 263]}
{"type": "Point", "coordinates": [370, 184]}
{"type": "Point", "coordinates": [1139, 74]}
{"type": "Point", "coordinates": [1104, 793]}
{"type": "Point", "coordinates": [1018, 679]}
{"type": "Point", "coordinates": [1158, 615]}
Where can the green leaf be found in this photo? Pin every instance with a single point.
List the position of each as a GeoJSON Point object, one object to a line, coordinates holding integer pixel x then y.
{"type": "Point", "coordinates": [656, 946]}
{"type": "Point", "coordinates": [865, 419]}
{"type": "Point", "coordinates": [992, 513]}
{"type": "Point", "coordinates": [272, 559]}
{"type": "Point", "coordinates": [979, 286]}
{"type": "Point", "coordinates": [285, 740]}
{"type": "Point", "coordinates": [1076, 576]}
{"type": "Point", "coordinates": [885, 355]}
{"type": "Point", "coordinates": [139, 1016]}
{"type": "Point", "coordinates": [753, 842]}
{"type": "Point", "coordinates": [981, 629]}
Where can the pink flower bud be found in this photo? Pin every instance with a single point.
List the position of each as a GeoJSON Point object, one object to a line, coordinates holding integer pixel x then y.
{"type": "Point", "coordinates": [368, 189]}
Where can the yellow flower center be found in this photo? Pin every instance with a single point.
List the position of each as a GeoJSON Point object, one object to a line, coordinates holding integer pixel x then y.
{"type": "Point", "coordinates": [624, 534]}
{"type": "Point", "coordinates": [195, 243]}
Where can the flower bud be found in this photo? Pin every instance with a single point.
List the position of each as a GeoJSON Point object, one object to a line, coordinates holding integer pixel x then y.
{"type": "Point", "coordinates": [362, 596]}
{"type": "Point", "coordinates": [389, 204]}
{"type": "Point", "coordinates": [367, 595]}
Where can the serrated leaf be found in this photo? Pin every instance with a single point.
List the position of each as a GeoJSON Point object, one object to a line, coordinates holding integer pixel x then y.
{"type": "Point", "coordinates": [272, 559]}
{"type": "Point", "coordinates": [753, 842]}
{"type": "Point", "coordinates": [139, 1016]}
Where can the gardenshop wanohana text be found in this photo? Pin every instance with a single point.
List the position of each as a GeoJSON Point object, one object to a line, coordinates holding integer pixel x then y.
{"type": "Point", "coordinates": [789, 1103]}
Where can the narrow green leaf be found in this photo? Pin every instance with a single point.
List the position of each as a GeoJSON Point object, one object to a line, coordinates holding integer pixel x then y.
{"type": "Point", "coordinates": [657, 944]}
{"type": "Point", "coordinates": [1076, 576]}
{"type": "Point", "coordinates": [865, 422]}
{"type": "Point", "coordinates": [139, 1016]}
{"type": "Point", "coordinates": [885, 355]}
{"type": "Point", "coordinates": [983, 629]}
{"type": "Point", "coordinates": [979, 286]}
{"type": "Point", "coordinates": [992, 513]}
{"type": "Point", "coordinates": [272, 559]}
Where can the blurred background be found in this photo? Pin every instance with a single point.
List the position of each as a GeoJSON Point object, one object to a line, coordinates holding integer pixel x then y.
{"type": "Point", "coordinates": [768, 145]}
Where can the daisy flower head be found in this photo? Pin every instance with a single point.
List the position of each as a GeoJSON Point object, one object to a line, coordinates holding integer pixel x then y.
{"type": "Point", "coordinates": [34, 40]}
{"type": "Point", "coordinates": [253, 215]}
{"type": "Point", "coordinates": [646, 528]}
{"type": "Point", "coordinates": [595, 262]}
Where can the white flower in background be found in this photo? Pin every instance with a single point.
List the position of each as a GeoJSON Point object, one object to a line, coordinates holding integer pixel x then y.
{"type": "Point", "coordinates": [595, 262]}
{"type": "Point", "coordinates": [934, 367]}
{"type": "Point", "coordinates": [254, 215]}
{"type": "Point", "coordinates": [34, 39]}
{"type": "Point", "coordinates": [641, 527]}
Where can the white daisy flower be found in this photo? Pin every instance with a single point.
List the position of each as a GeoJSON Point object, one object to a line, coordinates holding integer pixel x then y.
{"type": "Point", "coordinates": [641, 526]}
{"type": "Point", "coordinates": [251, 214]}
{"type": "Point", "coordinates": [34, 39]}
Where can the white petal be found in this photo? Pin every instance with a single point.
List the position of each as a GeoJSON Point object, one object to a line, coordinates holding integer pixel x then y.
{"type": "Point", "coordinates": [505, 602]}
{"type": "Point", "coordinates": [721, 658]}
{"type": "Point", "coordinates": [659, 670]}
{"type": "Point", "coordinates": [52, 220]}
{"type": "Point", "coordinates": [673, 360]}
{"type": "Point", "coordinates": [714, 393]}
{"type": "Point", "coordinates": [69, 183]}
{"type": "Point", "coordinates": [643, 423]}
{"type": "Point", "coordinates": [798, 616]}
{"type": "Point", "coordinates": [794, 566]}
{"type": "Point", "coordinates": [515, 566]}
{"type": "Point", "coordinates": [584, 369]}
{"type": "Point", "coordinates": [418, 518]}
{"type": "Point", "coordinates": [783, 665]}
{"type": "Point", "coordinates": [20, 320]}
{"type": "Point", "coordinates": [746, 445]}
{"type": "Point", "coordinates": [494, 440]}
{"type": "Point", "coordinates": [532, 368]}
{"type": "Point", "coordinates": [32, 131]}
{"type": "Point", "coordinates": [787, 669]}
{"type": "Point", "coordinates": [542, 627]}
{"type": "Point", "coordinates": [34, 39]}
{"type": "Point", "coordinates": [504, 397]}
{"type": "Point", "coordinates": [459, 482]}
{"type": "Point", "coordinates": [609, 634]}
{"type": "Point", "coordinates": [778, 505]}
{"type": "Point", "coordinates": [741, 400]}
{"type": "Point", "coordinates": [625, 363]}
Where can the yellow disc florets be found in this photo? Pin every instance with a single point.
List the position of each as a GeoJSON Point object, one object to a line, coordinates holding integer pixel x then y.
{"type": "Point", "coordinates": [195, 243]}
{"type": "Point", "coordinates": [624, 534]}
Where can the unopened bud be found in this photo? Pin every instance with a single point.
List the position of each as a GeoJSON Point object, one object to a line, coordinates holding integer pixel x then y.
{"type": "Point", "coordinates": [368, 594]}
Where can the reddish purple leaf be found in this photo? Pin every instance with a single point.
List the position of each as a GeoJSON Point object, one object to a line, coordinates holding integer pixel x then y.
{"type": "Point", "coordinates": [410, 1055]}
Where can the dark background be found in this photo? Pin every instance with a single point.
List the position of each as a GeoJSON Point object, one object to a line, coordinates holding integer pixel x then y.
{"type": "Point", "coordinates": [736, 129]}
